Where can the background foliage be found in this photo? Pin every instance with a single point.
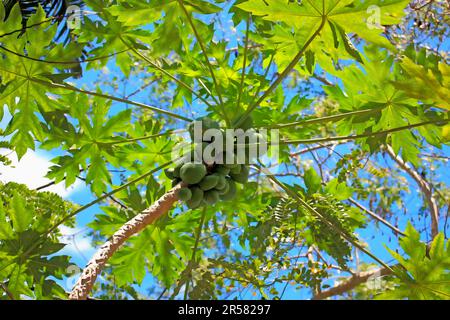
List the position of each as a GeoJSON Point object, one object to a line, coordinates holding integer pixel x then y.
{"type": "Point", "coordinates": [361, 105]}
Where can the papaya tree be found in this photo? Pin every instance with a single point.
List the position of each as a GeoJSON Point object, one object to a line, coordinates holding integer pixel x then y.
{"type": "Point", "coordinates": [261, 149]}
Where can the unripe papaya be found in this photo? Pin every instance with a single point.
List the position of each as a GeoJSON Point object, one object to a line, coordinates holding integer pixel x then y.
{"type": "Point", "coordinates": [263, 143]}
{"type": "Point", "coordinates": [200, 148]}
{"type": "Point", "coordinates": [176, 170]}
{"type": "Point", "coordinates": [242, 177]}
{"type": "Point", "coordinates": [236, 169]}
{"type": "Point", "coordinates": [192, 173]}
{"type": "Point", "coordinates": [225, 189]}
{"type": "Point", "coordinates": [193, 205]}
{"type": "Point", "coordinates": [211, 153]}
{"type": "Point", "coordinates": [192, 156]}
{"type": "Point", "coordinates": [198, 152]}
{"type": "Point", "coordinates": [242, 154]}
{"type": "Point", "coordinates": [220, 169]}
{"type": "Point", "coordinates": [221, 183]}
{"type": "Point", "coordinates": [196, 198]}
{"type": "Point", "coordinates": [225, 158]}
{"type": "Point", "coordinates": [231, 193]}
{"type": "Point", "coordinates": [232, 166]}
{"type": "Point", "coordinates": [246, 151]}
{"type": "Point", "coordinates": [207, 123]}
{"type": "Point", "coordinates": [209, 182]}
{"type": "Point", "coordinates": [185, 194]}
{"type": "Point", "coordinates": [211, 197]}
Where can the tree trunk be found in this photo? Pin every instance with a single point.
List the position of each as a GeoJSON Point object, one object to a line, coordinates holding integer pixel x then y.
{"type": "Point", "coordinates": [87, 279]}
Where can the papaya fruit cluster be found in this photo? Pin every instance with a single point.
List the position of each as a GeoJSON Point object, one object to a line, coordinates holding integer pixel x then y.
{"type": "Point", "coordinates": [208, 180]}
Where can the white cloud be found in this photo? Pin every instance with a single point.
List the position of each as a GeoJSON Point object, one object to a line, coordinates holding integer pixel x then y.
{"type": "Point", "coordinates": [77, 242]}
{"type": "Point", "coordinates": [83, 244]}
{"type": "Point", "coordinates": [31, 170]}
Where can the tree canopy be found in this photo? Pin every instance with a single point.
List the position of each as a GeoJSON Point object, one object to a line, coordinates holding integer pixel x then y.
{"type": "Point", "coordinates": [354, 207]}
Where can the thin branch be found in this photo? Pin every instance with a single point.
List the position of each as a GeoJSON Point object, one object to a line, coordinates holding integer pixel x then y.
{"type": "Point", "coordinates": [434, 156]}
{"type": "Point", "coordinates": [8, 293]}
{"type": "Point", "coordinates": [31, 26]}
{"type": "Point", "coordinates": [93, 269]}
{"type": "Point", "coordinates": [132, 140]}
{"type": "Point", "coordinates": [377, 217]}
{"type": "Point", "coordinates": [358, 136]}
{"type": "Point", "coordinates": [105, 96]}
{"type": "Point", "coordinates": [266, 73]}
{"type": "Point", "coordinates": [352, 283]}
{"type": "Point", "coordinates": [324, 80]}
{"type": "Point", "coordinates": [321, 217]}
{"type": "Point", "coordinates": [75, 62]}
{"type": "Point", "coordinates": [194, 251]}
{"type": "Point", "coordinates": [424, 186]}
{"type": "Point", "coordinates": [325, 119]}
{"type": "Point", "coordinates": [306, 150]}
{"type": "Point", "coordinates": [244, 63]}
{"type": "Point", "coordinates": [205, 55]}
{"type": "Point", "coordinates": [254, 46]}
{"type": "Point", "coordinates": [168, 74]}
{"type": "Point", "coordinates": [106, 195]}
{"type": "Point", "coordinates": [285, 73]}
{"type": "Point", "coordinates": [162, 294]}
{"type": "Point", "coordinates": [101, 95]}
{"type": "Point", "coordinates": [364, 135]}
{"type": "Point", "coordinates": [50, 19]}
{"type": "Point", "coordinates": [45, 186]}
{"type": "Point", "coordinates": [311, 262]}
{"type": "Point", "coordinates": [144, 86]}
{"type": "Point", "coordinates": [113, 199]}
{"type": "Point", "coordinates": [51, 183]}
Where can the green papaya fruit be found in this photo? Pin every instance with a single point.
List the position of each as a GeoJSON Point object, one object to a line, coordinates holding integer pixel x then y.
{"type": "Point", "coordinates": [200, 148]}
{"type": "Point", "coordinates": [233, 165]}
{"type": "Point", "coordinates": [176, 170]}
{"type": "Point", "coordinates": [241, 153]}
{"type": "Point", "coordinates": [246, 150]}
{"type": "Point", "coordinates": [221, 169]}
{"type": "Point", "coordinates": [209, 182]}
{"type": "Point", "coordinates": [197, 194]}
{"type": "Point", "coordinates": [242, 177]}
{"type": "Point", "coordinates": [192, 173]}
{"type": "Point", "coordinates": [222, 181]}
{"type": "Point", "coordinates": [225, 189]}
{"type": "Point", "coordinates": [196, 198]}
{"type": "Point", "coordinates": [185, 194]}
{"type": "Point", "coordinates": [211, 197]}
{"type": "Point", "coordinates": [210, 154]}
{"type": "Point", "coordinates": [225, 158]}
{"type": "Point", "coordinates": [193, 205]}
{"type": "Point", "coordinates": [207, 123]}
{"type": "Point", "coordinates": [231, 192]}
{"type": "Point", "coordinates": [236, 169]}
